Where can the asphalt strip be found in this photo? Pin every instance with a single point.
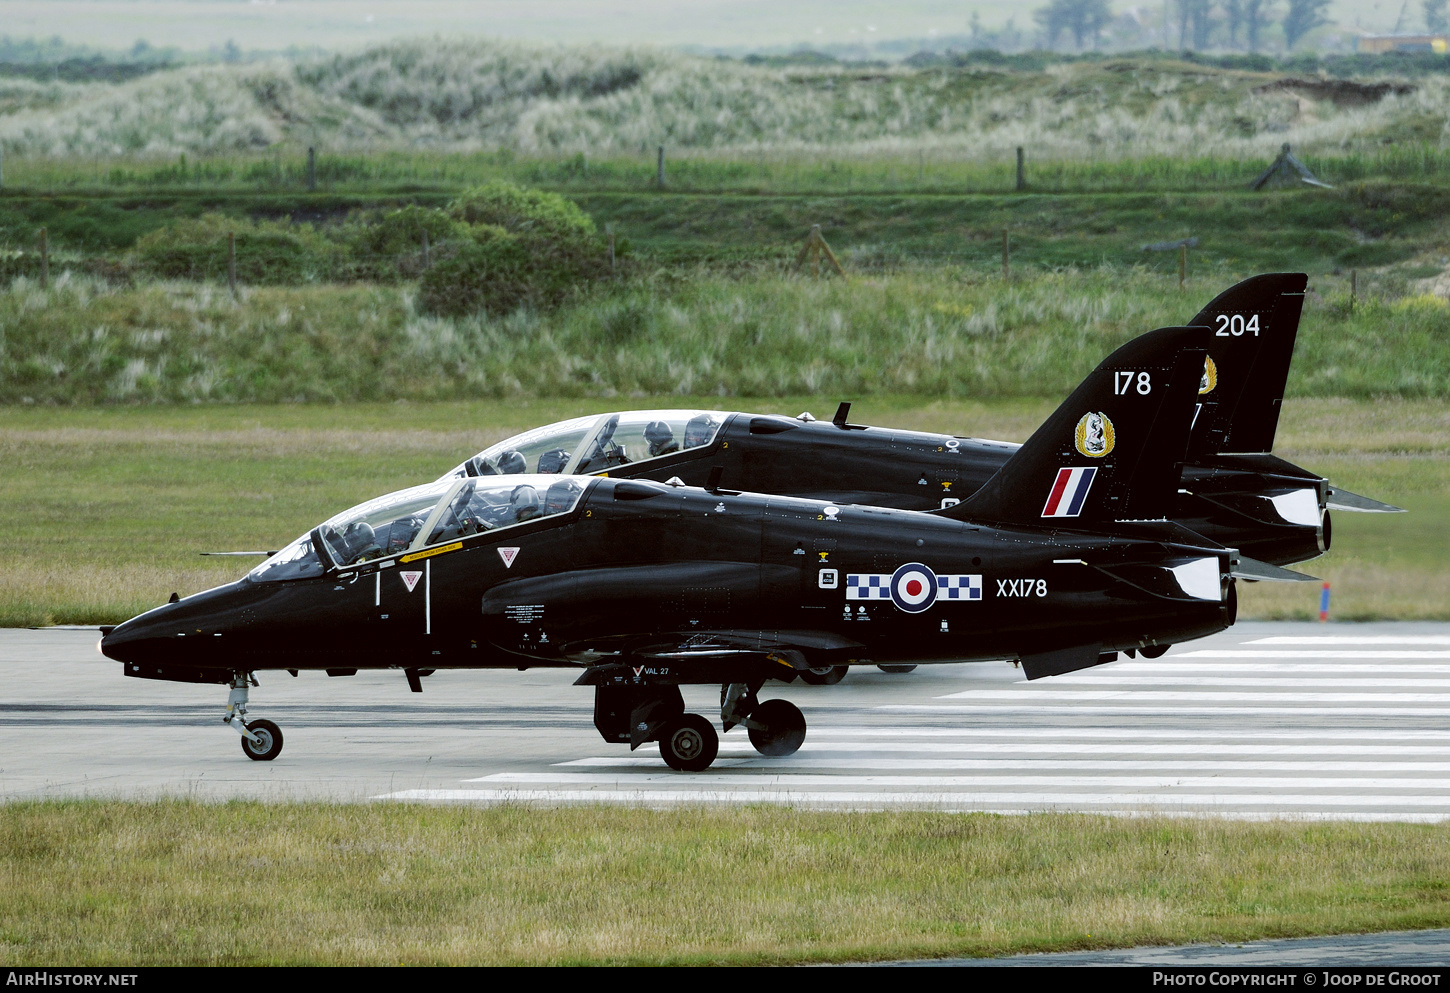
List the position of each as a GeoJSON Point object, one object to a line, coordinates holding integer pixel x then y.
{"type": "Point", "coordinates": [1391, 949]}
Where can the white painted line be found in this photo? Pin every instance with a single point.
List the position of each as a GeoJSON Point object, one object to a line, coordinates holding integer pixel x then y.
{"type": "Point", "coordinates": [1019, 801]}
{"type": "Point", "coordinates": [1014, 736]}
{"type": "Point", "coordinates": [1131, 711]}
{"type": "Point", "coordinates": [802, 760]}
{"type": "Point", "coordinates": [1265, 668]}
{"type": "Point", "coordinates": [1125, 679]}
{"type": "Point", "coordinates": [1435, 790]}
{"type": "Point", "coordinates": [1289, 653]}
{"type": "Point", "coordinates": [1172, 696]}
{"type": "Point", "coordinates": [1341, 639]}
{"type": "Point", "coordinates": [1327, 752]}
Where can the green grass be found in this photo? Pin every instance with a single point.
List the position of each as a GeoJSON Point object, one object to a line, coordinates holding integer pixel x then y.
{"type": "Point", "coordinates": [1361, 225]}
{"type": "Point", "coordinates": [107, 509]}
{"type": "Point", "coordinates": [174, 882]}
{"type": "Point", "coordinates": [933, 333]}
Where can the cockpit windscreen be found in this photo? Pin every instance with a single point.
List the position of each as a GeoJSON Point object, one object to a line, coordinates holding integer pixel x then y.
{"type": "Point", "coordinates": [407, 520]}
{"type": "Point", "coordinates": [596, 444]}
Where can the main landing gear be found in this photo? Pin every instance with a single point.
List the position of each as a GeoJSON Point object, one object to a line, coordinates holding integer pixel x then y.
{"type": "Point", "coordinates": [261, 740]}
{"type": "Point", "coordinates": [688, 742]}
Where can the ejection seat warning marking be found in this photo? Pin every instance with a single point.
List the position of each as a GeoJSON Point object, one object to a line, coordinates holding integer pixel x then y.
{"type": "Point", "coordinates": [410, 579]}
{"type": "Point", "coordinates": [508, 555]}
{"type": "Point", "coordinates": [432, 552]}
{"type": "Point", "coordinates": [524, 613]}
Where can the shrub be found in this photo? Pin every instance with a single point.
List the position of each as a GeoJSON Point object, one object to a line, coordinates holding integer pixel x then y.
{"type": "Point", "coordinates": [528, 248]}
{"type": "Point", "coordinates": [388, 246]}
{"type": "Point", "coordinates": [268, 252]}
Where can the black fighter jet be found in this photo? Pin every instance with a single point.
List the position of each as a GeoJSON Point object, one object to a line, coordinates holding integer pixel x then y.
{"type": "Point", "coordinates": [1233, 490]}
{"type": "Point", "coordinates": [1062, 559]}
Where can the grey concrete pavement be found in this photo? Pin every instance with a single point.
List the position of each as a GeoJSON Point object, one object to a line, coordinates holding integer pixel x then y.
{"type": "Point", "coordinates": [1303, 720]}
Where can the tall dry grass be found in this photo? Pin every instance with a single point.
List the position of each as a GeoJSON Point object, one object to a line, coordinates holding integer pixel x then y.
{"type": "Point", "coordinates": [456, 95]}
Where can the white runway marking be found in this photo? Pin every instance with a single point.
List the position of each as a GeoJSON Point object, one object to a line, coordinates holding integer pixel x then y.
{"type": "Point", "coordinates": [1324, 730]}
{"type": "Point", "coordinates": [1346, 639]}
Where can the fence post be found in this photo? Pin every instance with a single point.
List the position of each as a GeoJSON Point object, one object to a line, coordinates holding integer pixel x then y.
{"type": "Point", "coordinates": [311, 168]}
{"type": "Point", "coordinates": [427, 261]}
{"type": "Point", "coordinates": [1021, 170]}
{"type": "Point", "coordinates": [1353, 288]}
{"type": "Point", "coordinates": [232, 263]}
{"type": "Point", "coordinates": [1182, 265]}
{"type": "Point", "coordinates": [660, 169]}
{"type": "Point", "coordinates": [2, 168]}
{"type": "Point", "coordinates": [609, 230]}
{"type": "Point", "coordinates": [1006, 257]}
{"type": "Point", "coordinates": [44, 260]}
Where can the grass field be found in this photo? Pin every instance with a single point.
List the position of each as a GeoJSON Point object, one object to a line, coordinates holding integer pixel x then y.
{"type": "Point", "coordinates": [933, 333]}
{"type": "Point", "coordinates": [174, 882]}
{"type": "Point", "coordinates": [107, 509]}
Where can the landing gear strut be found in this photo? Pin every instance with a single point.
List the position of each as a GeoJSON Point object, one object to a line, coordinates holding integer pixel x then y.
{"type": "Point", "coordinates": [261, 740]}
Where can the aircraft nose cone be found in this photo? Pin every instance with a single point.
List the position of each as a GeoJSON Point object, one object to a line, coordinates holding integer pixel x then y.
{"type": "Point", "coordinates": [123, 642]}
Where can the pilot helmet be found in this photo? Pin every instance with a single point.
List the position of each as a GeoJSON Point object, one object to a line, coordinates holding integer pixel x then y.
{"type": "Point", "coordinates": [554, 460]}
{"type": "Point", "coordinates": [512, 462]}
{"type": "Point", "coordinates": [525, 502]}
{"type": "Point", "coordinates": [699, 430]}
{"type": "Point", "coordinates": [560, 497]}
{"type": "Point", "coordinates": [659, 436]}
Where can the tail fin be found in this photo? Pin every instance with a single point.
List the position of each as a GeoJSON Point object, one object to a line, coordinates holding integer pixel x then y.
{"type": "Point", "coordinates": [1113, 451]}
{"type": "Point", "coordinates": [1252, 326]}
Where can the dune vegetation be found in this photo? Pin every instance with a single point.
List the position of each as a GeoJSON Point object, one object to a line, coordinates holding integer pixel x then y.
{"type": "Point", "coordinates": [468, 95]}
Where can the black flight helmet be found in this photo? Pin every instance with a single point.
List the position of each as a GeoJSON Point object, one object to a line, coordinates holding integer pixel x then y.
{"type": "Point", "coordinates": [560, 497]}
{"type": "Point", "coordinates": [512, 462]}
{"type": "Point", "coordinates": [661, 439]}
{"type": "Point", "coordinates": [554, 460]}
{"type": "Point", "coordinates": [525, 502]}
{"type": "Point", "coordinates": [699, 430]}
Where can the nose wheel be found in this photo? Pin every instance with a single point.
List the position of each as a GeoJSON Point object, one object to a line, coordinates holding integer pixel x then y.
{"type": "Point", "coordinates": [265, 744]}
{"type": "Point", "coordinates": [261, 740]}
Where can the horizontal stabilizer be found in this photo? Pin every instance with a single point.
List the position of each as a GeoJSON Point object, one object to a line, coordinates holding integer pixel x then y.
{"type": "Point", "coordinates": [1345, 500]}
{"type": "Point", "coordinates": [1247, 568]}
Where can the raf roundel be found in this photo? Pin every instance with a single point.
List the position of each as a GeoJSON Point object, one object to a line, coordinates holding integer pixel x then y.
{"type": "Point", "coordinates": [913, 588]}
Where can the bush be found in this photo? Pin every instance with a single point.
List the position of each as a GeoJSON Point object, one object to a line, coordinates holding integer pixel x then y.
{"type": "Point", "coordinates": [388, 246]}
{"type": "Point", "coordinates": [527, 248]}
{"type": "Point", "coordinates": [268, 253]}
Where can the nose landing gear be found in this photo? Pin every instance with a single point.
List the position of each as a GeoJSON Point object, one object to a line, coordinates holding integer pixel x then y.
{"type": "Point", "coordinates": [261, 740]}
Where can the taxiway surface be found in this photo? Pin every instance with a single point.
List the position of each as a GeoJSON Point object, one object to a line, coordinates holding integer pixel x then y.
{"type": "Point", "coordinates": [1305, 720]}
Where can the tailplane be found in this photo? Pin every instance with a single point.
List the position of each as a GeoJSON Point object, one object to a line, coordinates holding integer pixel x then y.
{"type": "Point", "coordinates": [1113, 451]}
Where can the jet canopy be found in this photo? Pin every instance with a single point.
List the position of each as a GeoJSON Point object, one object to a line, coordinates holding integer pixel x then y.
{"type": "Point", "coordinates": [595, 443]}
{"type": "Point", "coordinates": [416, 518]}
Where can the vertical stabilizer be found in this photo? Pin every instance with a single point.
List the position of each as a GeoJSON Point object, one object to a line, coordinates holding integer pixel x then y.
{"type": "Point", "coordinates": [1250, 341]}
{"type": "Point", "coordinates": [1113, 450]}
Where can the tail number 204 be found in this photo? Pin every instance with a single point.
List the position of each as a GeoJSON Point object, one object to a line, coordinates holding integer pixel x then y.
{"type": "Point", "coordinates": [1234, 325]}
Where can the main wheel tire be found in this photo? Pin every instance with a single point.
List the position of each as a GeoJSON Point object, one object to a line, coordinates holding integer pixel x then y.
{"type": "Point", "coordinates": [1155, 652]}
{"type": "Point", "coordinates": [784, 731]}
{"type": "Point", "coordinates": [824, 676]}
{"type": "Point", "coordinates": [269, 747]}
{"type": "Point", "coordinates": [896, 668]}
{"type": "Point", "coordinates": [689, 744]}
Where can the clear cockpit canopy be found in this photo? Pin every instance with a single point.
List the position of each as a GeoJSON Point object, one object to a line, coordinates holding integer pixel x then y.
{"type": "Point", "coordinates": [413, 519]}
{"type": "Point", "coordinates": [596, 443]}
